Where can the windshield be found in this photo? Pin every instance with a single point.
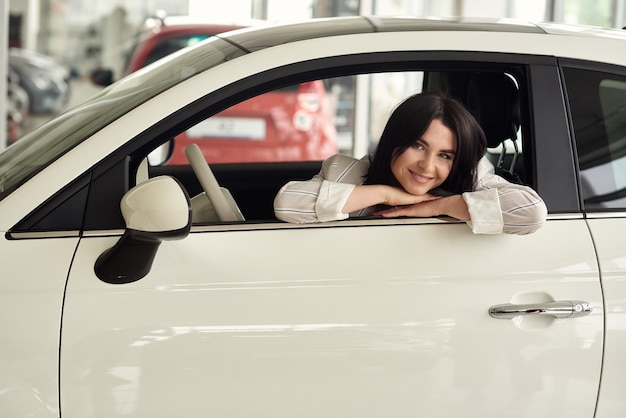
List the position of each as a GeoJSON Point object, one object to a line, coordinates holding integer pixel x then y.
{"type": "Point", "coordinates": [36, 150]}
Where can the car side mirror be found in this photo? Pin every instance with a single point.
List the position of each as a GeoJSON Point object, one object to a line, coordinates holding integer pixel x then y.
{"type": "Point", "coordinates": [156, 210]}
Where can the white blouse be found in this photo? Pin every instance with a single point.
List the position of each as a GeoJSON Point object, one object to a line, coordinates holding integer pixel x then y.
{"type": "Point", "coordinates": [495, 205]}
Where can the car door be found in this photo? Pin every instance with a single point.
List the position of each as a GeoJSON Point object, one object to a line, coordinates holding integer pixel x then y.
{"type": "Point", "coordinates": [597, 97]}
{"type": "Point", "coordinates": [363, 319]}
{"type": "Point", "coordinates": [359, 318]}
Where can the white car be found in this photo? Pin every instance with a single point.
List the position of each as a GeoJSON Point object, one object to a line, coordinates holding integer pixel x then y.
{"type": "Point", "coordinates": [128, 291]}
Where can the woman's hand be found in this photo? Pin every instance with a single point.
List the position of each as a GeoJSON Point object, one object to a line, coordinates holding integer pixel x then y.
{"type": "Point", "coordinates": [453, 206]}
{"type": "Point", "coordinates": [395, 196]}
{"type": "Point", "coordinates": [364, 196]}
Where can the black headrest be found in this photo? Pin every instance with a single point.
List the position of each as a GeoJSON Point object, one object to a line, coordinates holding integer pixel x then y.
{"type": "Point", "coordinates": [493, 99]}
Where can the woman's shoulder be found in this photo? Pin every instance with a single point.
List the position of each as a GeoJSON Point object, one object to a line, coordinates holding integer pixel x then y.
{"type": "Point", "coordinates": [345, 168]}
{"type": "Point", "coordinates": [485, 168]}
{"type": "Point", "coordinates": [345, 160]}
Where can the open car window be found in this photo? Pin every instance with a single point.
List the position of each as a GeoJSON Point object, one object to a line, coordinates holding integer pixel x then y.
{"type": "Point", "coordinates": [313, 120]}
{"type": "Point", "coordinates": [259, 144]}
{"type": "Point", "coordinates": [256, 144]}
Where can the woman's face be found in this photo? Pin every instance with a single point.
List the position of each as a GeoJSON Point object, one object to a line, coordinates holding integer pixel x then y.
{"type": "Point", "coordinates": [427, 163]}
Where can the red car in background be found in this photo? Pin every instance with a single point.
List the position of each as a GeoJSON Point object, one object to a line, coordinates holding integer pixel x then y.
{"type": "Point", "coordinates": [290, 124]}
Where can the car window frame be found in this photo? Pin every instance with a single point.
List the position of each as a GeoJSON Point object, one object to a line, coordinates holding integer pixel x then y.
{"type": "Point", "coordinates": [553, 147]}
{"type": "Point", "coordinates": [127, 158]}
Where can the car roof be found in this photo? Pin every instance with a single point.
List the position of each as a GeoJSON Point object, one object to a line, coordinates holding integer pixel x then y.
{"type": "Point", "coordinates": [198, 28]}
{"type": "Point", "coordinates": [256, 38]}
{"type": "Point", "coordinates": [194, 25]}
{"type": "Point", "coordinates": [202, 21]}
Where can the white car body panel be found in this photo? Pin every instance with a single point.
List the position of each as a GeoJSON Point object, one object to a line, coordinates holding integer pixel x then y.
{"type": "Point", "coordinates": [396, 327]}
{"type": "Point", "coordinates": [608, 236]}
{"type": "Point", "coordinates": [31, 304]}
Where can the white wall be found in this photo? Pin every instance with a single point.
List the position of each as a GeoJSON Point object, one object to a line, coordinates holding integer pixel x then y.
{"type": "Point", "coordinates": [229, 10]}
{"type": "Point", "coordinates": [289, 10]}
{"type": "Point", "coordinates": [4, 40]}
{"type": "Point", "coordinates": [484, 8]}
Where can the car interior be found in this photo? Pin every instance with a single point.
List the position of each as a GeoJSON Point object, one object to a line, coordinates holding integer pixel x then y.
{"type": "Point", "coordinates": [246, 191]}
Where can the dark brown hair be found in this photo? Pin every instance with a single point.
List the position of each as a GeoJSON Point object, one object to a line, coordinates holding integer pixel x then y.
{"type": "Point", "coordinates": [408, 123]}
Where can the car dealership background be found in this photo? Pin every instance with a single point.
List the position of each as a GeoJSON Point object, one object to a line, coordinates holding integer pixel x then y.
{"type": "Point", "coordinates": [88, 34]}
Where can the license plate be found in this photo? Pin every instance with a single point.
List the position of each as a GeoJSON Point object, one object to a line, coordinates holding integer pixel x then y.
{"type": "Point", "coordinates": [240, 128]}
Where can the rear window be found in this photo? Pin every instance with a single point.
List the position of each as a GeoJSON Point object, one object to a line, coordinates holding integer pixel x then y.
{"type": "Point", "coordinates": [598, 107]}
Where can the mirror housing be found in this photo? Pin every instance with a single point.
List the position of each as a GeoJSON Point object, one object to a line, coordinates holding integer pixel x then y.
{"type": "Point", "coordinates": [156, 210]}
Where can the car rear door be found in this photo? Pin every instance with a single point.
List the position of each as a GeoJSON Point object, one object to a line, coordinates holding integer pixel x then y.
{"type": "Point", "coordinates": [597, 99]}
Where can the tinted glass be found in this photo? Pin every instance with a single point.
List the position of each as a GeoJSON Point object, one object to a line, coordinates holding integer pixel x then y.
{"type": "Point", "coordinates": [598, 106]}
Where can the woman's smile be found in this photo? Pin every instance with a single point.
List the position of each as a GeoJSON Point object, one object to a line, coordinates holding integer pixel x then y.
{"type": "Point", "coordinates": [419, 178]}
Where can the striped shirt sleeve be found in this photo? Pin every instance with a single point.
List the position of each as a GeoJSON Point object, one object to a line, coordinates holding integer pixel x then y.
{"type": "Point", "coordinates": [522, 209]}
{"type": "Point", "coordinates": [321, 199]}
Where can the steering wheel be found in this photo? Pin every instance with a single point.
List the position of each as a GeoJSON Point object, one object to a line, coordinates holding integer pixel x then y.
{"type": "Point", "coordinates": [209, 184]}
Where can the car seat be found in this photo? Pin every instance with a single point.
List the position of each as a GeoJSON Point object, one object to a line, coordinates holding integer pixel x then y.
{"type": "Point", "coordinates": [493, 99]}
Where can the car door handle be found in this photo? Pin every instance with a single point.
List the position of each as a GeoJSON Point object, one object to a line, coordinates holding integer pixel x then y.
{"type": "Point", "coordinates": [558, 309]}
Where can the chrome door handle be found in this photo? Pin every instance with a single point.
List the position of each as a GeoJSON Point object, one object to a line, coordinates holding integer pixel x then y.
{"type": "Point", "coordinates": [558, 309]}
